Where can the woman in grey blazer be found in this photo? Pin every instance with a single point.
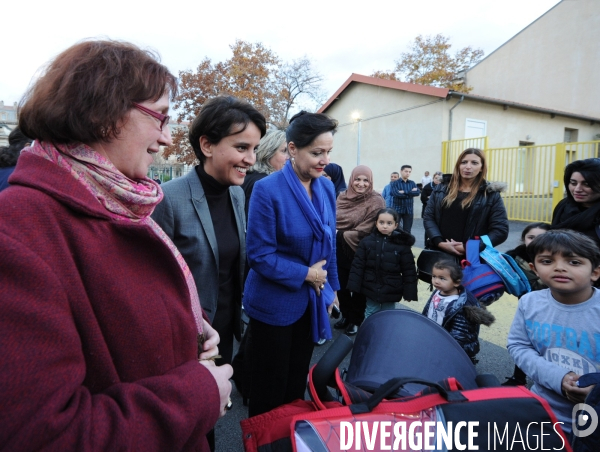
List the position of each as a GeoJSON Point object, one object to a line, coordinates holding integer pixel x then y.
{"type": "Point", "coordinates": [203, 212]}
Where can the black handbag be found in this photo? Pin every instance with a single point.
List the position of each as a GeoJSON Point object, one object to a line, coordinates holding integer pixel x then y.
{"type": "Point", "coordinates": [426, 260]}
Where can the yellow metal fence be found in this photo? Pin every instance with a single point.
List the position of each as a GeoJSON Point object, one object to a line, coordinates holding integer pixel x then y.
{"type": "Point", "coordinates": [533, 174]}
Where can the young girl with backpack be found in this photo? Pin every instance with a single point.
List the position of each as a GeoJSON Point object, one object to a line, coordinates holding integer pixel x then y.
{"type": "Point", "coordinates": [383, 268]}
{"type": "Point", "coordinates": [455, 308]}
{"type": "Point", "coordinates": [519, 254]}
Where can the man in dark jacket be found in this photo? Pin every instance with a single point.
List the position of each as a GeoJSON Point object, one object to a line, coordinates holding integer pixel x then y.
{"type": "Point", "coordinates": [403, 192]}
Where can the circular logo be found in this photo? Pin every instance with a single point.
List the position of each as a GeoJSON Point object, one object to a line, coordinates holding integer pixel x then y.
{"type": "Point", "coordinates": [585, 420]}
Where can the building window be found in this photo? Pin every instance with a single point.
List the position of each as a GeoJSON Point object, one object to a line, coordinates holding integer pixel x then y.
{"type": "Point", "coordinates": [571, 135]}
{"type": "Point", "coordinates": [475, 128]}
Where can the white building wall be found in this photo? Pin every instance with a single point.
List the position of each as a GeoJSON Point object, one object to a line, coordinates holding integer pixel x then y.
{"type": "Point", "coordinates": [506, 128]}
{"type": "Point", "coordinates": [400, 127]}
{"type": "Point", "coordinates": [410, 137]}
{"type": "Point", "coordinates": [553, 63]}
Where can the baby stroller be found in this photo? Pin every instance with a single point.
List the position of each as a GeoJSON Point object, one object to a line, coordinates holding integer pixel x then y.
{"type": "Point", "coordinates": [404, 369]}
{"type": "Point", "coordinates": [404, 343]}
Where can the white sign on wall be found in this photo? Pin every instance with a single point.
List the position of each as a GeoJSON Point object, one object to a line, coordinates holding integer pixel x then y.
{"type": "Point", "coordinates": [475, 128]}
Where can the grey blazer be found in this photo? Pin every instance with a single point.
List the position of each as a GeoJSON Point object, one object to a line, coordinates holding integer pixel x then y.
{"type": "Point", "coordinates": [184, 216]}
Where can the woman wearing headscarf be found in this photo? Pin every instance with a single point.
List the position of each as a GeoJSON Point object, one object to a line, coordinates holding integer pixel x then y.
{"type": "Point", "coordinates": [101, 326]}
{"type": "Point", "coordinates": [357, 208]}
{"type": "Point", "coordinates": [335, 174]}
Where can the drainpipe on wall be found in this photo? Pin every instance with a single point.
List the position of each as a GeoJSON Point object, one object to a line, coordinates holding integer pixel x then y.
{"type": "Point", "coordinates": [358, 148]}
{"type": "Point", "coordinates": [450, 120]}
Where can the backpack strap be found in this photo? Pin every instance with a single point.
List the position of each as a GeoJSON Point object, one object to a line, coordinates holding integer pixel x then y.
{"type": "Point", "coordinates": [473, 252]}
{"type": "Point", "coordinates": [485, 239]}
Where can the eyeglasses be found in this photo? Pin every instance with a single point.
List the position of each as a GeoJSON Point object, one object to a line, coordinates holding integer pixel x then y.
{"type": "Point", "coordinates": [164, 119]}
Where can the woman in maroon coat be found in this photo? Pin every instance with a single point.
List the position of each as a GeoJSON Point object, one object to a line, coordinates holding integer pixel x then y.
{"type": "Point", "coordinates": [101, 329]}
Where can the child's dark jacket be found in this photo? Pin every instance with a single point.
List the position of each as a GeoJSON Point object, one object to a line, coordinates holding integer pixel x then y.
{"type": "Point", "coordinates": [462, 319]}
{"type": "Point", "coordinates": [383, 268]}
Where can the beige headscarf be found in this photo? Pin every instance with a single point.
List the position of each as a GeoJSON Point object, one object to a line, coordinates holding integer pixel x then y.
{"type": "Point", "coordinates": [356, 211]}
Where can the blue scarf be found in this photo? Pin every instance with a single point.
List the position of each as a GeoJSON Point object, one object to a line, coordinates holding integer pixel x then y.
{"type": "Point", "coordinates": [315, 212]}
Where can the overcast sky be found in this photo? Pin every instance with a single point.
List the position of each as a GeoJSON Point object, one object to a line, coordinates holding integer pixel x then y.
{"type": "Point", "coordinates": [339, 37]}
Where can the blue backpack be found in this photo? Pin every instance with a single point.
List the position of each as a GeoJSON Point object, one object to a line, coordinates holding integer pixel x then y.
{"type": "Point", "coordinates": [514, 279]}
{"type": "Point", "coordinates": [481, 279]}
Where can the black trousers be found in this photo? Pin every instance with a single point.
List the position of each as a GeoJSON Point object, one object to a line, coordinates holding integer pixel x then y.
{"type": "Point", "coordinates": [406, 221]}
{"type": "Point", "coordinates": [223, 323]}
{"type": "Point", "coordinates": [352, 305]}
{"type": "Point", "coordinates": [280, 363]}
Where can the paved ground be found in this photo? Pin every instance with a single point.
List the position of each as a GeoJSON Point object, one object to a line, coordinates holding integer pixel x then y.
{"type": "Point", "coordinates": [493, 357]}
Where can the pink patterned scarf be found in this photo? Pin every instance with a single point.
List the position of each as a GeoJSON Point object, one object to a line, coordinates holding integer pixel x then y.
{"type": "Point", "coordinates": [123, 198]}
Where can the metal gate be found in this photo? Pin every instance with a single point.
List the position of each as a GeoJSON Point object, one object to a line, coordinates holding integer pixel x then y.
{"type": "Point", "coordinates": [533, 174]}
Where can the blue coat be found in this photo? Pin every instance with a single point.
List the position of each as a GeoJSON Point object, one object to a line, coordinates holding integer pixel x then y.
{"type": "Point", "coordinates": [279, 243]}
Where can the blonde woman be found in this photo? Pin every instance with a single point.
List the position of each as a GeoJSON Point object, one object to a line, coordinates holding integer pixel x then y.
{"type": "Point", "coordinates": [466, 207]}
{"type": "Point", "coordinates": [271, 156]}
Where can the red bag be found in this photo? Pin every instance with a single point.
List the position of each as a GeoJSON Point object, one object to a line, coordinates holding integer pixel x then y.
{"type": "Point", "coordinates": [499, 418]}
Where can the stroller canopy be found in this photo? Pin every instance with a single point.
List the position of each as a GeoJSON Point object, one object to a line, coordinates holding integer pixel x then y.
{"type": "Point", "coordinates": [404, 343]}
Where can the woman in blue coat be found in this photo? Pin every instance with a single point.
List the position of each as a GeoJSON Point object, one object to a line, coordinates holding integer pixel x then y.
{"type": "Point", "coordinates": [293, 281]}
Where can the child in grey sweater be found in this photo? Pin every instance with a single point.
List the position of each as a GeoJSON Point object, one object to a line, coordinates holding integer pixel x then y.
{"type": "Point", "coordinates": [555, 335]}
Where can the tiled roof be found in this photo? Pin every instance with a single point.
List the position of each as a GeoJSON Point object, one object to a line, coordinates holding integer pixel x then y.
{"type": "Point", "coordinates": [375, 81]}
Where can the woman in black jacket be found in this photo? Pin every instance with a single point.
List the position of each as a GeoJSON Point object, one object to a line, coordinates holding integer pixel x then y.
{"type": "Point", "coordinates": [580, 210]}
{"type": "Point", "coordinates": [466, 207]}
{"type": "Point", "coordinates": [383, 268]}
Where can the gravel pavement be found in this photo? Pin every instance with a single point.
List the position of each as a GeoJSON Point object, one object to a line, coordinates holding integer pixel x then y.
{"type": "Point", "coordinates": [493, 357]}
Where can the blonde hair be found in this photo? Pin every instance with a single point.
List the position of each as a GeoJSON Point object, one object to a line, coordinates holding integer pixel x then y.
{"type": "Point", "coordinates": [456, 180]}
{"type": "Point", "coordinates": [266, 150]}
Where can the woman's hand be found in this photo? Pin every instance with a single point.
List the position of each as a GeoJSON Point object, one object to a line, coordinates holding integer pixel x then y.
{"type": "Point", "coordinates": [450, 247]}
{"type": "Point", "coordinates": [458, 246]}
{"type": "Point", "coordinates": [317, 276]}
{"type": "Point", "coordinates": [336, 302]}
{"type": "Point", "coordinates": [211, 341]}
{"type": "Point", "coordinates": [221, 374]}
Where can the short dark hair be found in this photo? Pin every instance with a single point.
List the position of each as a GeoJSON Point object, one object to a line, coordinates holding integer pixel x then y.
{"type": "Point", "coordinates": [10, 154]}
{"type": "Point", "coordinates": [567, 243]}
{"type": "Point", "coordinates": [305, 127]}
{"type": "Point", "coordinates": [86, 91]}
{"type": "Point", "coordinates": [456, 273]}
{"type": "Point", "coordinates": [589, 170]}
{"type": "Point", "coordinates": [529, 227]}
{"type": "Point", "coordinates": [395, 172]}
{"type": "Point", "coordinates": [405, 166]}
{"type": "Point", "coordinates": [218, 118]}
